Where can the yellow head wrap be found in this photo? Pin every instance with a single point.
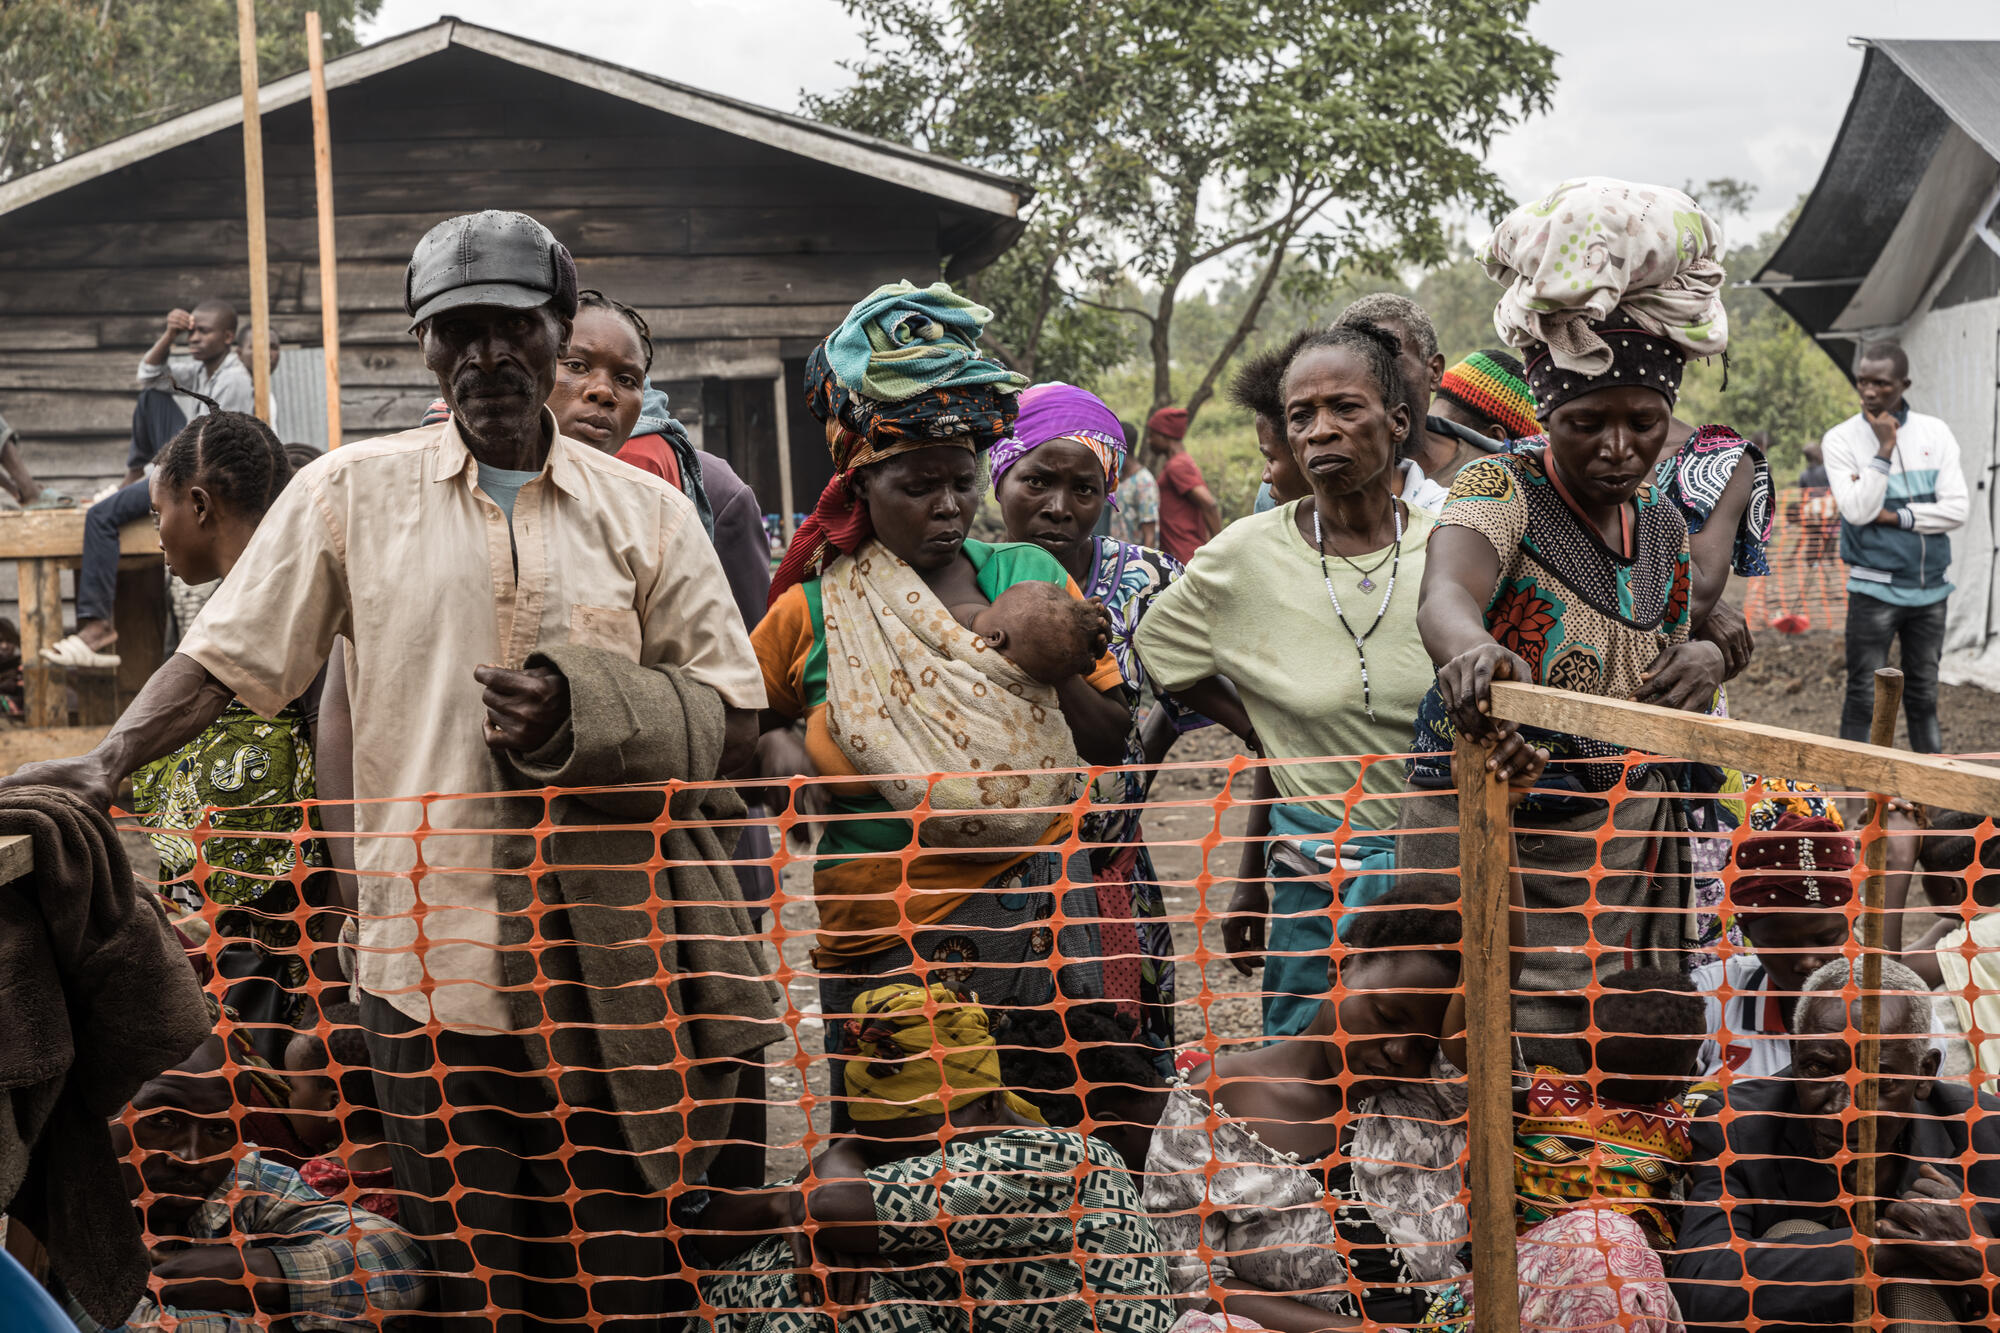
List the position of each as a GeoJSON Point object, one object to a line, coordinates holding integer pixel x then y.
{"type": "Point", "coordinates": [906, 1058]}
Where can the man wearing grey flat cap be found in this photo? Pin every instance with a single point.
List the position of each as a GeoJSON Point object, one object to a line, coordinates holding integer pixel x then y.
{"type": "Point", "coordinates": [521, 612]}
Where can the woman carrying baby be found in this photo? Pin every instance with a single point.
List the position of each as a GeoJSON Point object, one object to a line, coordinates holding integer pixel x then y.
{"type": "Point", "coordinates": [1053, 477]}
{"type": "Point", "coordinates": [865, 642]}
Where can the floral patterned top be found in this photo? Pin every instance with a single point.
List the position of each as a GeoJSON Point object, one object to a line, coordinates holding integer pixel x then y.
{"type": "Point", "coordinates": [1583, 616]}
{"type": "Point", "coordinates": [1267, 1218]}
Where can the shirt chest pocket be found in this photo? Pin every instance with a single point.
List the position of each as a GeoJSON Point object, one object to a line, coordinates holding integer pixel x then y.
{"type": "Point", "coordinates": [615, 629]}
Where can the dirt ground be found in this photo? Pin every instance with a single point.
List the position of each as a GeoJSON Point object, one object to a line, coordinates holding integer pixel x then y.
{"type": "Point", "coordinates": [1798, 681]}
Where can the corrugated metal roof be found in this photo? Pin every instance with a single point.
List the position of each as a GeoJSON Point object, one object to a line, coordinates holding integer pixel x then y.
{"type": "Point", "coordinates": [1908, 94]}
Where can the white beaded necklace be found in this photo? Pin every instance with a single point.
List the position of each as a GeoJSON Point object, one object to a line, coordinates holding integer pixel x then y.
{"type": "Point", "coordinates": [1361, 640]}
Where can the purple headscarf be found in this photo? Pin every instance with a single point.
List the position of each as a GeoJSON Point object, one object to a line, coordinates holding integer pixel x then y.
{"type": "Point", "coordinates": [1064, 412]}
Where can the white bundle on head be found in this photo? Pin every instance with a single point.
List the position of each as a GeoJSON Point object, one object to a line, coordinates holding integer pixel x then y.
{"type": "Point", "coordinates": [1594, 245]}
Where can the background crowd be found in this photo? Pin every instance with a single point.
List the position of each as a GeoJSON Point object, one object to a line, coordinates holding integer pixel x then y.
{"type": "Point", "coordinates": [545, 1104]}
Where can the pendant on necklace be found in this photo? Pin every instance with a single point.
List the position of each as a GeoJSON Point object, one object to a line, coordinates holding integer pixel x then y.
{"type": "Point", "coordinates": [1367, 584]}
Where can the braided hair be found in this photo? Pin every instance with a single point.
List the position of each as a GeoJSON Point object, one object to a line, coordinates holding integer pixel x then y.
{"type": "Point", "coordinates": [592, 299]}
{"type": "Point", "coordinates": [1378, 349]}
{"type": "Point", "coordinates": [232, 455]}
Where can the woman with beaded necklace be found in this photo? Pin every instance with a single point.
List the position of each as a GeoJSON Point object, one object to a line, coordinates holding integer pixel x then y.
{"type": "Point", "coordinates": [1310, 610]}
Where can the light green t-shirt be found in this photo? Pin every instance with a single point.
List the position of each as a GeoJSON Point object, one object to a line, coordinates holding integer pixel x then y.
{"type": "Point", "coordinates": [1253, 607]}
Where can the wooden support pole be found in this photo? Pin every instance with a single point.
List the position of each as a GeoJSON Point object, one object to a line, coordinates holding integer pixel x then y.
{"type": "Point", "coordinates": [782, 418]}
{"type": "Point", "coordinates": [329, 278]}
{"type": "Point", "coordinates": [1485, 848]}
{"type": "Point", "coordinates": [1868, 1052]}
{"type": "Point", "coordinates": [253, 203]}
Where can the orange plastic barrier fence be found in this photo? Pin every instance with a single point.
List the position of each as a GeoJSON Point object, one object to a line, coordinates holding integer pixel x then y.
{"type": "Point", "coordinates": [1192, 1165]}
{"type": "Point", "coordinates": [1806, 589]}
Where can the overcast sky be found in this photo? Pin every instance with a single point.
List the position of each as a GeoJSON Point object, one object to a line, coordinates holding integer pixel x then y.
{"type": "Point", "coordinates": [1753, 89]}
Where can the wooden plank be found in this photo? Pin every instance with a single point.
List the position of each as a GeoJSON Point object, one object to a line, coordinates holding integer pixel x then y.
{"type": "Point", "coordinates": [44, 691]}
{"type": "Point", "coordinates": [17, 858]}
{"type": "Point", "coordinates": [790, 229]}
{"type": "Point", "coordinates": [27, 745]}
{"type": "Point", "coordinates": [141, 621]}
{"type": "Point", "coordinates": [543, 189]}
{"type": "Point", "coordinates": [1485, 843]}
{"type": "Point", "coordinates": [1868, 1053]}
{"type": "Point", "coordinates": [96, 694]}
{"type": "Point", "coordinates": [152, 290]}
{"type": "Point", "coordinates": [253, 195]}
{"type": "Point", "coordinates": [326, 255]}
{"type": "Point", "coordinates": [47, 334]}
{"type": "Point", "coordinates": [57, 535]}
{"type": "Point", "coordinates": [36, 412]}
{"type": "Point", "coordinates": [1751, 747]}
{"type": "Point", "coordinates": [721, 358]}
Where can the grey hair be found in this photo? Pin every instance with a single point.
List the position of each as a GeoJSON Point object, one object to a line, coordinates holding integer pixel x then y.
{"type": "Point", "coordinates": [1405, 314]}
{"type": "Point", "coordinates": [1895, 978]}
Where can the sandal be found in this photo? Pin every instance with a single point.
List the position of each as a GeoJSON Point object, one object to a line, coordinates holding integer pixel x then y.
{"type": "Point", "coordinates": [51, 500]}
{"type": "Point", "coordinates": [72, 651]}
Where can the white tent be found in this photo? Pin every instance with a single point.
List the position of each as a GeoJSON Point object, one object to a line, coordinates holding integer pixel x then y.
{"type": "Point", "coordinates": [1901, 239]}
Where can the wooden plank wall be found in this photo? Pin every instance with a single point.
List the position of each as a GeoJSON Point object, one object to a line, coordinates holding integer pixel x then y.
{"type": "Point", "coordinates": [737, 254]}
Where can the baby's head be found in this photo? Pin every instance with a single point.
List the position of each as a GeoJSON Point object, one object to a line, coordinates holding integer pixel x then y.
{"type": "Point", "coordinates": [1652, 1024]}
{"type": "Point", "coordinates": [1040, 628]}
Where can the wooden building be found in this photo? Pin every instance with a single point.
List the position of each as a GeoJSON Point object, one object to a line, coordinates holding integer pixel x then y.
{"type": "Point", "coordinates": [742, 234]}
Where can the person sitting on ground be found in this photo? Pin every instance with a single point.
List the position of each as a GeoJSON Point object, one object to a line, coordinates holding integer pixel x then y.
{"type": "Point", "coordinates": [1276, 1216]}
{"type": "Point", "coordinates": [1009, 1226]}
{"type": "Point", "coordinates": [1789, 894]}
{"type": "Point", "coordinates": [1764, 1236]}
{"type": "Point", "coordinates": [1960, 953]}
{"type": "Point", "coordinates": [172, 392]}
{"type": "Point", "coordinates": [1487, 393]}
{"type": "Point", "coordinates": [239, 1242]}
{"type": "Point", "coordinates": [1036, 626]}
{"type": "Point", "coordinates": [245, 774]}
{"type": "Point", "coordinates": [335, 1111]}
{"type": "Point", "coordinates": [1598, 1162]}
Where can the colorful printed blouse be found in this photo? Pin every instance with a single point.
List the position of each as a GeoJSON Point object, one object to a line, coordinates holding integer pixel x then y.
{"type": "Point", "coordinates": [1574, 1149]}
{"type": "Point", "coordinates": [1694, 476]}
{"type": "Point", "coordinates": [1582, 615]}
{"type": "Point", "coordinates": [854, 883]}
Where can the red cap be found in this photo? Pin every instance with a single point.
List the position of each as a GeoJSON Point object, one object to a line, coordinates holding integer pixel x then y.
{"type": "Point", "coordinates": [1171, 422]}
{"type": "Point", "coordinates": [1800, 864]}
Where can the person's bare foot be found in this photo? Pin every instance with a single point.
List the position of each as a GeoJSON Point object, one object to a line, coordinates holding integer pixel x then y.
{"type": "Point", "coordinates": [97, 635]}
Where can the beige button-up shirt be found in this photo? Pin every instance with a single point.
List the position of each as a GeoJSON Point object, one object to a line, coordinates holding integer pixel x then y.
{"type": "Point", "coordinates": [391, 543]}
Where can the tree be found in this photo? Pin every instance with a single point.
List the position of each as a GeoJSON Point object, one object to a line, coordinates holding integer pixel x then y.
{"type": "Point", "coordinates": [1165, 136]}
{"type": "Point", "coordinates": [76, 73]}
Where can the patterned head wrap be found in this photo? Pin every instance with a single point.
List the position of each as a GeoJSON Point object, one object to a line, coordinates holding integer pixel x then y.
{"type": "Point", "coordinates": [1637, 358]}
{"type": "Point", "coordinates": [1058, 411]}
{"type": "Point", "coordinates": [907, 1063]}
{"type": "Point", "coordinates": [901, 373]}
{"type": "Point", "coordinates": [1171, 422]}
{"type": "Point", "coordinates": [1800, 864]}
{"type": "Point", "coordinates": [1490, 384]}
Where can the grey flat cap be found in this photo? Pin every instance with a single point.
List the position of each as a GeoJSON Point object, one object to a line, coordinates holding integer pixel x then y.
{"type": "Point", "coordinates": [490, 258]}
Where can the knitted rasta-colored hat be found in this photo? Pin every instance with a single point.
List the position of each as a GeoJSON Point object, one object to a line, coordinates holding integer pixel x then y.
{"type": "Point", "coordinates": [1492, 384]}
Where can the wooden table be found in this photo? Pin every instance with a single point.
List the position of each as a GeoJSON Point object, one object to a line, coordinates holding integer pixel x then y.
{"type": "Point", "coordinates": [44, 542]}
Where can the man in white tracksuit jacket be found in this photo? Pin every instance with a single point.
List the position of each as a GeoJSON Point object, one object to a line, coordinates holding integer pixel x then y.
{"type": "Point", "coordinates": [1896, 477]}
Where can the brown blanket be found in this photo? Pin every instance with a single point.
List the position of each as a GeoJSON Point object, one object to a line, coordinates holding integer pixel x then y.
{"type": "Point", "coordinates": [651, 967]}
{"type": "Point", "coordinates": [96, 997]}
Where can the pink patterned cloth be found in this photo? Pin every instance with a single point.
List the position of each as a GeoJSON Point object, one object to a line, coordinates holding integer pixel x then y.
{"type": "Point", "coordinates": [1589, 1270]}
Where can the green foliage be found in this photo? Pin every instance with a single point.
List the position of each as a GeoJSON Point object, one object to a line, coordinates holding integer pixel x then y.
{"type": "Point", "coordinates": [1285, 141]}
{"type": "Point", "coordinates": [76, 73]}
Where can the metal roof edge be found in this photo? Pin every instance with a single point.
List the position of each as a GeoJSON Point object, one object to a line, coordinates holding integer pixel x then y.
{"type": "Point", "coordinates": [940, 177]}
{"type": "Point", "coordinates": [1894, 48]}
{"type": "Point", "coordinates": [221, 115]}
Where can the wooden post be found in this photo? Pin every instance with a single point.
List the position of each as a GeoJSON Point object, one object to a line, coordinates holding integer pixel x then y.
{"type": "Point", "coordinates": [1485, 848]}
{"type": "Point", "coordinates": [44, 688]}
{"type": "Point", "coordinates": [1868, 1052]}
{"type": "Point", "coordinates": [783, 420]}
{"type": "Point", "coordinates": [329, 279]}
{"type": "Point", "coordinates": [253, 203]}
